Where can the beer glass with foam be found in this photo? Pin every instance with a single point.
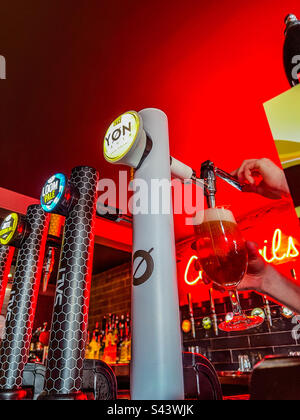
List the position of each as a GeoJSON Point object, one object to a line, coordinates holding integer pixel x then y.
{"type": "Point", "coordinates": [223, 256]}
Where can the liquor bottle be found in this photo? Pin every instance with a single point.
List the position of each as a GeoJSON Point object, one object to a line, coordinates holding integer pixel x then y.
{"type": "Point", "coordinates": [116, 327]}
{"type": "Point", "coordinates": [108, 348]}
{"type": "Point", "coordinates": [109, 322]}
{"type": "Point", "coordinates": [100, 346]}
{"type": "Point", "coordinates": [128, 335]}
{"type": "Point", "coordinates": [291, 49]}
{"type": "Point", "coordinates": [39, 343]}
{"type": "Point", "coordinates": [103, 326]}
{"type": "Point", "coordinates": [34, 340]}
{"type": "Point", "coordinates": [115, 339]}
{"type": "Point", "coordinates": [122, 326]}
{"type": "Point", "coordinates": [121, 336]}
{"type": "Point", "coordinates": [44, 338]}
{"type": "Point", "coordinates": [49, 262]}
{"type": "Point", "coordinates": [96, 331]}
{"type": "Point", "coordinates": [124, 356]}
{"type": "Point", "coordinates": [113, 322]}
{"type": "Point", "coordinates": [94, 347]}
{"type": "Point", "coordinates": [87, 344]}
{"type": "Point", "coordinates": [33, 358]}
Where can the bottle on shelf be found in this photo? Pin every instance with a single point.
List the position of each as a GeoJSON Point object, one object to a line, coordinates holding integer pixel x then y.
{"type": "Point", "coordinates": [87, 346]}
{"type": "Point", "coordinates": [110, 339]}
{"type": "Point", "coordinates": [39, 345]}
{"type": "Point", "coordinates": [93, 348]}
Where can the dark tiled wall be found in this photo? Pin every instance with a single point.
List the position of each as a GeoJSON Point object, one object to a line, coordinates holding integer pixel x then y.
{"type": "Point", "coordinates": [223, 350]}
{"type": "Point", "coordinates": [110, 293]}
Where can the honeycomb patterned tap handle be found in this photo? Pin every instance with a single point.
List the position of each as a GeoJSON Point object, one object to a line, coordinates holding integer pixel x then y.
{"type": "Point", "coordinates": [22, 302]}
{"type": "Point", "coordinates": [70, 314]}
{"type": "Point", "coordinates": [6, 255]}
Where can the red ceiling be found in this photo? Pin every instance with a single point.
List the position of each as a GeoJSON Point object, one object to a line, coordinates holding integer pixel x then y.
{"type": "Point", "coordinates": [72, 67]}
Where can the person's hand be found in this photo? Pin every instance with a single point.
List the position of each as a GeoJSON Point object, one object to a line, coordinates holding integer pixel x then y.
{"type": "Point", "coordinates": [256, 272]}
{"type": "Point", "coordinates": [263, 177]}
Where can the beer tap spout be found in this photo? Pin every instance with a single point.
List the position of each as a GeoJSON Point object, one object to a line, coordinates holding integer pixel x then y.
{"type": "Point", "coordinates": [209, 174]}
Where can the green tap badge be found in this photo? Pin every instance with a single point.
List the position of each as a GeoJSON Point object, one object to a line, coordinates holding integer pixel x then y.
{"type": "Point", "coordinates": [8, 228]}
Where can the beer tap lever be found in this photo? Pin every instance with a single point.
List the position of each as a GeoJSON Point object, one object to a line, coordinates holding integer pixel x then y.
{"type": "Point", "coordinates": [229, 179]}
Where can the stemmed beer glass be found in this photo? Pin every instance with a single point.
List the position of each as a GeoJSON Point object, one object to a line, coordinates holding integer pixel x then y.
{"type": "Point", "coordinates": [223, 256]}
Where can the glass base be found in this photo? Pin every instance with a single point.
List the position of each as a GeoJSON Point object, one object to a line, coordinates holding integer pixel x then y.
{"type": "Point", "coordinates": [241, 323]}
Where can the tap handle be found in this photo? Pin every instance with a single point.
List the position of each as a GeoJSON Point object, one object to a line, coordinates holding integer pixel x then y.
{"type": "Point", "coordinates": [229, 179]}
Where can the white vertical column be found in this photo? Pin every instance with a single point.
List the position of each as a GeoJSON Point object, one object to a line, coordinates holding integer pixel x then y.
{"type": "Point", "coordinates": [156, 368]}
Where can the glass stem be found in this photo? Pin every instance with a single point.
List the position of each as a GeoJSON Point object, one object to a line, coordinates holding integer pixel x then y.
{"type": "Point", "coordinates": [235, 302]}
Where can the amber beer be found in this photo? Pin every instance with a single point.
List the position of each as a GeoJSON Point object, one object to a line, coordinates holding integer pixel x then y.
{"type": "Point", "coordinates": [220, 247]}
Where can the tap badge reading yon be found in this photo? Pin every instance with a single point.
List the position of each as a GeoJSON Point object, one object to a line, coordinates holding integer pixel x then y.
{"type": "Point", "coordinates": [121, 136]}
{"type": "Point", "coordinates": [53, 191]}
{"type": "Point", "coordinates": [8, 228]}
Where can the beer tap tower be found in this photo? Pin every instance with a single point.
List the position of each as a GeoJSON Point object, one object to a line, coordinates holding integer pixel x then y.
{"type": "Point", "coordinates": [140, 140]}
{"type": "Point", "coordinates": [76, 200]}
{"type": "Point", "coordinates": [29, 234]}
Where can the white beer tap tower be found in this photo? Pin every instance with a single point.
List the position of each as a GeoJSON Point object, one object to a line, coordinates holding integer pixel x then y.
{"type": "Point", "coordinates": [141, 141]}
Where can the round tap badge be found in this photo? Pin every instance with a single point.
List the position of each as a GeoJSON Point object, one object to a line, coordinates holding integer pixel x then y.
{"type": "Point", "coordinates": [286, 312]}
{"type": "Point", "coordinates": [8, 228]}
{"type": "Point", "coordinates": [121, 136]}
{"type": "Point", "coordinates": [207, 323]}
{"type": "Point", "coordinates": [53, 191]}
{"type": "Point", "coordinates": [258, 312]}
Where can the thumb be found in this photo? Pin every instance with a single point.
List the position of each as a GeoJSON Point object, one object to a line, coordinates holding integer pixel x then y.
{"type": "Point", "coordinates": [256, 263]}
{"type": "Point", "coordinates": [252, 249]}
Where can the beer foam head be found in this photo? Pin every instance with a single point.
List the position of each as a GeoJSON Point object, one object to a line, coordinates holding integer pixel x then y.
{"type": "Point", "coordinates": [216, 214]}
{"type": "Point", "coordinates": [210, 215]}
{"type": "Point", "coordinates": [198, 218]}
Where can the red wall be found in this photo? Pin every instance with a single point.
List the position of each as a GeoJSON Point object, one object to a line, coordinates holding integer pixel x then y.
{"type": "Point", "coordinates": [72, 67]}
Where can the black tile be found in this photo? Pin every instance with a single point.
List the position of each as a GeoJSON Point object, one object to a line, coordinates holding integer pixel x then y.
{"type": "Point", "coordinates": [197, 342]}
{"type": "Point", "coordinates": [282, 324]}
{"type": "Point", "coordinates": [219, 356]}
{"type": "Point", "coordinates": [201, 333]}
{"type": "Point", "coordinates": [220, 308]}
{"type": "Point", "coordinates": [203, 310]}
{"type": "Point", "coordinates": [271, 339]}
{"type": "Point", "coordinates": [286, 350]}
{"type": "Point", "coordinates": [222, 334]}
{"type": "Point", "coordinates": [229, 343]}
{"type": "Point", "coordinates": [219, 366]}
